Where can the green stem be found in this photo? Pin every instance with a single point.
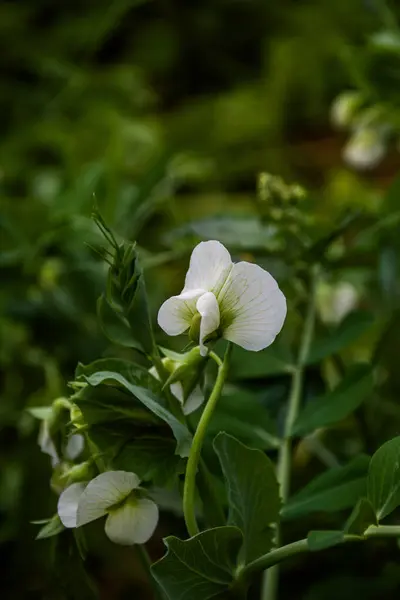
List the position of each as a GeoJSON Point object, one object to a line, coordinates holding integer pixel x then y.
{"type": "Point", "coordinates": [271, 579]}
{"type": "Point", "coordinates": [195, 451]}
{"type": "Point", "coordinates": [270, 560]}
{"type": "Point", "coordinates": [146, 564]}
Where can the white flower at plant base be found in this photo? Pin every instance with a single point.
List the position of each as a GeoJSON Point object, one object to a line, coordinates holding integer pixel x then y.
{"type": "Point", "coordinates": [365, 148]}
{"type": "Point", "coordinates": [240, 302]}
{"type": "Point", "coordinates": [344, 108]}
{"type": "Point", "coordinates": [131, 518]}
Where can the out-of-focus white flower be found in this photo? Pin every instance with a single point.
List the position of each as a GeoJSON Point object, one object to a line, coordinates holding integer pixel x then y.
{"type": "Point", "coordinates": [365, 148]}
{"type": "Point", "coordinates": [131, 518]}
{"type": "Point", "coordinates": [344, 108]}
{"type": "Point", "coordinates": [239, 302]}
{"type": "Point", "coordinates": [73, 449]}
{"type": "Point", "coordinates": [336, 301]}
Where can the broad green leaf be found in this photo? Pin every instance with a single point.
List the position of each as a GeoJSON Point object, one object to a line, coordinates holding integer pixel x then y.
{"type": "Point", "coordinates": [334, 490]}
{"type": "Point", "coordinates": [350, 329]}
{"type": "Point", "coordinates": [253, 493]}
{"type": "Point", "coordinates": [336, 405]}
{"type": "Point", "coordinates": [115, 327]}
{"type": "Point", "coordinates": [320, 540]}
{"type": "Point", "coordinates": [51, 528]}
{"type": "Point", "coordinates": [200, 568]}
{"type": "Point", "coordinates": [361, 518]}
{"type": "Point", "coordinates": [384, 478]}
{"type": "Point", "coordinates": [274, 360]}
{"type": "Point", "coordinates": [240, 413]}
{"type": "Point", "coordinates": [148, 399]}
{"type": "Point", "coordinates": [134, 373]}
{"type": "Point", "coordinates": [40, 412]}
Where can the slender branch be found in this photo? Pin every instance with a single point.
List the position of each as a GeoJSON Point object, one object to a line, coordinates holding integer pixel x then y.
{"type": "Point", "coordinates": [194, 456]}
{"type": "Point", "coordinates": [270, 581]}
{"type": "Point", "coordinates": [146, 564]}
{"type": "Point", "coordinates": [301, 546]}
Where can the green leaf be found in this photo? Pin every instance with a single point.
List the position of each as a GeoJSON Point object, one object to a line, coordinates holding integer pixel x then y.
{"type": "Point", "coordinates": [146, 397]}
{"type": "Point", "coordinates": [200, 568]}
{"type": "Point", "coordinates": [336, 405]}
{"type": "Point", "coordinates": [320, 540]}
{"type": "Point", "coordinates": [352, 327]}
{"type": "Point", "coordinates": [253, 493]}
{"type": "Point", "coordinates": [40, 412]}
{"type": "Point", "coordinates": [361, 518]}
{"type": "Point", "coordinates": [114, 326]}
{"type": "Point", "coordinates": [274, 360]}
{"type": "Point", "coordinates": [134, 373]}
{"type": "Point", "coordinates": [336, 489]}
{"type": "Point", "coordinates": [52, 527]}
{"type": "Point", "coordinates": [240, 413]}
{"type": "Point", "coordinates": [384, 478]}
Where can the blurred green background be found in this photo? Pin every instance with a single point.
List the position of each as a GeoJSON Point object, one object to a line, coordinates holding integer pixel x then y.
{"type": "Point", "coordinates": [166, 111]}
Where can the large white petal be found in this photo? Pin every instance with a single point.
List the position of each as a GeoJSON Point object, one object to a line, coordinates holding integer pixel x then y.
{"type": "Point", "coordinates": [253, 308]}
{"type": "Point", "coordinates": [68, 501]}
{"type": "Point", "coordinates": [209, 267]}
{"type": "Point", "coordinates": [195, 399]}
{"type": "Point", "coordinates": [103, 492]}
{"type": "Point", "coordinates": [175, 315]}
{"type": "Point", "coordinates": [208, 308]}
{"type": "Point", "coordinates": [132, 523]}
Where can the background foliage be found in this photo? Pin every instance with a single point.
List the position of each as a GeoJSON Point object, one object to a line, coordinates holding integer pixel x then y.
{"type": "Point", "coordinates": [167, 112]}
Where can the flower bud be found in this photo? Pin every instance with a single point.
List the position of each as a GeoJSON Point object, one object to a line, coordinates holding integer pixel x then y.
{"type": "Point", "coordinates": [83, 472]}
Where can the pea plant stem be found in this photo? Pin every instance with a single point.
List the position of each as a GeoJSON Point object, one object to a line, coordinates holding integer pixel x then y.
{"type": "Point", "coordinates": [271, 578]}
{"type": "Point", "coordinates": [146, 564]}
{"type": "Point", "coordinates": [195, 451]}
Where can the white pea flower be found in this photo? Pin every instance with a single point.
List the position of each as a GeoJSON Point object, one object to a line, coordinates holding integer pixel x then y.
{"type": "Point", "coordinates": [239, 302]}
{"type": "Point", "coordinates": [131, 518]}
{"type": "Point", "coordinates": [336, 301]}
{"type": "Point", "coordinates": [365, 149]}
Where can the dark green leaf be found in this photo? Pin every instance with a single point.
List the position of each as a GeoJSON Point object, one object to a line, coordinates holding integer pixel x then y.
{"type": "Point", "coordinates": [115, 327]}
{"type": "Point", "coordinates": [336, 405]}
{"type": "Point", "coordinates": [274, 360]}
{"type": "Point", "coordinates": [336, 489]}
{"type": "Point", "coordinates": [52, 527]}
{"type": "Point", "coordinates": [151, 402]}
{"type": "Point", "coordinates": [351, 328]}
{"type": "Point", "coordinates": [384, 478]}
{"type": "Point", "coordinates": [253, 493]}
{"type": "Point", "coordinates": [245, 418]}
{"type": "Point", "coordinates": [361, 518]}
{"type": "Point", "coordinates": [319, 540]}
{"type": "Point", "coordinates": [200, 568]}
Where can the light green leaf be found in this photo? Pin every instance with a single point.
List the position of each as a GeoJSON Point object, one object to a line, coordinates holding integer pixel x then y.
{"type": "Point", "coordinates": [350, 329]}
{"type": "Point", "coordinates": [384, 478]}
{"type": "Point", "coordinates": [253, 493]}
{"type": "Point", "coordinates": [114, 326]}
{"type": "Point", "coordinates": [51, 528]}
{"type": "Point", "coordinates": [336, 405]}
{"type": "Point", "coordinates": [200, 568]}
{"type": "Point", "coordinates": [320, 540]}
{"type": "Point", "coordinates": [361, 518]}
{"type": "Point", "coordinates": [180, 431]}
{"type": "Point", "coordinates": [334, 490]}
{"type": "Point", "coordinates": [40, 412]}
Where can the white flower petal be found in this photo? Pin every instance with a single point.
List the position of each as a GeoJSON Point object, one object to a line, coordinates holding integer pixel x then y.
{"type": "Point", "coordinates": [208, 308]}
{"type": "Point", "coordinates": [175, 315]}
{"type": "Point", "coordinates": [75, 446]}
{"type": "Point", "coordinates": [177, 390]}
{"type": "Point", "coordinates": [365, 149]}
{"type": "Point", "coordinates": [68, 501]}
{"type": "Point", "coordinates": [253, 308]}
{"type": "Point", "coordinates": [209, 267]}
{"type": "Point", "coordinates": [195, 399]}
{"type": "Point", "coordinates": [132, 523]}
{"type": "Point", "coordinates": [103, 492]}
